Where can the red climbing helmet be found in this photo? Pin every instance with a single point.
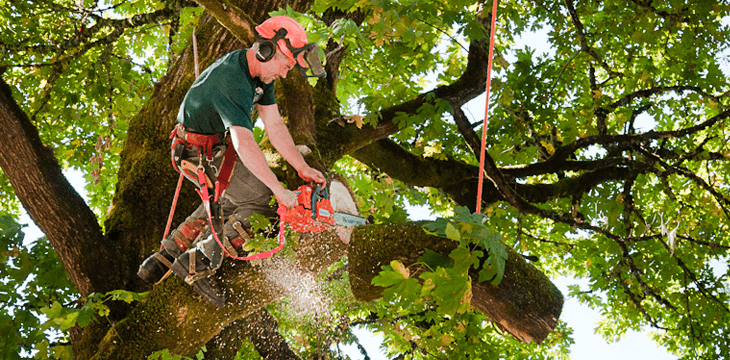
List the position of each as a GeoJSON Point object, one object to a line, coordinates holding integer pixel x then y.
{"type": "Point", "coordinates": [291, 40]}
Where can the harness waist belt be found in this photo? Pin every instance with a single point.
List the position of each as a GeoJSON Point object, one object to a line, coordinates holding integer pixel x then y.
{"type": "Point", "coordinates": [190, 138]}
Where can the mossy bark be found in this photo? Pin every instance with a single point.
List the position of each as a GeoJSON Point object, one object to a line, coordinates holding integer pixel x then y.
{"type": "Point", "coordinates": [525, 303]}
{"type": "Point", "coordinates": [261, 329]}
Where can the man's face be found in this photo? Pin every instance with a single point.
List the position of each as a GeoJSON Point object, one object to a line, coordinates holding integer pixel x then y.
{"type": "Point", "coordinates": [276, 68]}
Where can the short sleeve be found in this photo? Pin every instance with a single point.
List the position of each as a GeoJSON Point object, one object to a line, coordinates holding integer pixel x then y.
{"type": "Point", "coordinates": [233, 113]}
{"type": "Point", "coordinates": [268, 98]}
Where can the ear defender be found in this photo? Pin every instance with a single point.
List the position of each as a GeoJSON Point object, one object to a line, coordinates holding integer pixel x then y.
{"type": "Point", "coordinates": [266, 50]}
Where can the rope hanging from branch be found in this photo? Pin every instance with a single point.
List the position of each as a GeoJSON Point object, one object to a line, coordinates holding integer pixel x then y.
{"type": "Point", "coordinates": [195, 54]}
{"type": "Point", "coordinates": [486, 110]}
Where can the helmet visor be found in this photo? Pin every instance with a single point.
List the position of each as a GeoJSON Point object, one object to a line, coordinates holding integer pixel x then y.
{"type": "Point", "coordinates": [307, 57]}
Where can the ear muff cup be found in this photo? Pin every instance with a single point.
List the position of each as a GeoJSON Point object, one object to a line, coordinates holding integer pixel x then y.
{"type": "Point", "coordinates": [266, 50]}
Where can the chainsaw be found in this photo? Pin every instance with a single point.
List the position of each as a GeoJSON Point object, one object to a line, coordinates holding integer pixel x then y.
{"type": "Point", "coordinates": [315, 214]}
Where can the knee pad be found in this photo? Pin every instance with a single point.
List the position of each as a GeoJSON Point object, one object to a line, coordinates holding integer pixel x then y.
{"type": "Point", "coordinates": [185, 235]}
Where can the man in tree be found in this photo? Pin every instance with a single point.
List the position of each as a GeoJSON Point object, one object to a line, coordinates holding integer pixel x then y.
{"type": "Point", "coordinates": [216, 113]}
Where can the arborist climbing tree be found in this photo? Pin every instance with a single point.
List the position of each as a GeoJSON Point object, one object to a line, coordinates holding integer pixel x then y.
{"type": "Point", "coordinates": [214, 147]}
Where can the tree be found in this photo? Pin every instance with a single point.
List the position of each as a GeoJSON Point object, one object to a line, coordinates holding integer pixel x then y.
{"type": "Point", "coordinates": [573, 180]}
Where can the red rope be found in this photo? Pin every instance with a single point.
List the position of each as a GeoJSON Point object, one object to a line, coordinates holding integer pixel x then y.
{"type": "Point", "coordinates": [172, 208]}
{"type": "Point", "coordinates": [486, 110]}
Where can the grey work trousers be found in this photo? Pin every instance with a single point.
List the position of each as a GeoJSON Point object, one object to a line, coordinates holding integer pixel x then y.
{"type": "Point", "coordinates": [245, 195]}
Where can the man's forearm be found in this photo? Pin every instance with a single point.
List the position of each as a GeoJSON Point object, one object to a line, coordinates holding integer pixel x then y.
{"type": "Point", "coordinates": [284, 144]}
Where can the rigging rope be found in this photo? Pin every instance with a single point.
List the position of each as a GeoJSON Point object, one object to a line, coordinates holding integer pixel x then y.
{"type": "Point", "coordinates": [195, 53]}
{"type": "Point", "coordinates": [486, 110]}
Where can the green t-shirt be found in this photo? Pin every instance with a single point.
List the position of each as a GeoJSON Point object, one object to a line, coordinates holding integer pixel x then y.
{"type": "Point", "coordinates": [223, 96]}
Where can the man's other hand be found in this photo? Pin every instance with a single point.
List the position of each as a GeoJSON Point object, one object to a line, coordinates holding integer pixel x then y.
{"type": "Point", "coordinates": [310, 174]}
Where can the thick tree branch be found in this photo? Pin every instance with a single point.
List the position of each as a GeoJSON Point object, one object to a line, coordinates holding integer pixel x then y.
{"type": "Point", "coordinates": [240, 17]}
{"type": "Point", "coordinates": [459, 180]}
{"type": "Point", "coordinates": [193, 321]}
{"type": "Point", "coordinates": [51, 202]}
{"type": "Point", "coordinates": [262, 330]}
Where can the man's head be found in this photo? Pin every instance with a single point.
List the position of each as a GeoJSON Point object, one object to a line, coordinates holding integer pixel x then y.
{"type": "Point", "coordinates": [283, 35]}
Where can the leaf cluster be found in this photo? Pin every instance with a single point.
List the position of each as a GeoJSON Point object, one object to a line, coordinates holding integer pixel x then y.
{"type": "Point", "coordinates": [31, 277]}
{"type": "Point", "coordinates": [80, 70]}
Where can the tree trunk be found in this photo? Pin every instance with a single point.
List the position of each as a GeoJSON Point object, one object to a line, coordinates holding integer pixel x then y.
{"type": "Point", "coordinates": [263, 331]}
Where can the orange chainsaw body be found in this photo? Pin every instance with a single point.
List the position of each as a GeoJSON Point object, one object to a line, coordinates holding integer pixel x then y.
{"type": "Point", "coordinates": [314, 212]}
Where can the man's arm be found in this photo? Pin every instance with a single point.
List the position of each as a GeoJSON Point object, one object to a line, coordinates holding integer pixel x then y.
{"type": "Point", "coordinates": [250, 154]}
{"type": "Point", "coordinates": [283, 143]}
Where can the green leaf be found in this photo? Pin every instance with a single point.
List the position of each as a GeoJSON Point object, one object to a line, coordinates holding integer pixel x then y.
{"type": "Point", "coordinates": [434, 259]}
{"type": "Point", "coordinates": [68, 320]}
{"type": "Point", "coordinates": [452, 233]}
{"type": "Point", "coordinates": [54, 311]}
{"type": "Point", "coordinates": [127, 296]}
{"type": "Point", "coordinates": [451, 290]}
{"type": "Point", "coordinates": [399, 287]}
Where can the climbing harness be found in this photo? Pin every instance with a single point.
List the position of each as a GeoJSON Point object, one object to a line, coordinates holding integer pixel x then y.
{"type": "Point", "coordinates": [486, 110]}
{"type": "Point", "coordinates": [212, 183]}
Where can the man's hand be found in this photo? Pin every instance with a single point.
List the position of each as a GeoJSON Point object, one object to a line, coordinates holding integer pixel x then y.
{"type": "Point", "coordinates": [287, 198]}
{"type": "Point", "coordinates": [311, 174]}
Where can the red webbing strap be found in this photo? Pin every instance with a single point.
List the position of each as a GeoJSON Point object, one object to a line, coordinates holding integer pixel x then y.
{"type": "Point", "coordinates": [221, 184]}
{"type": "Point", "coordinates": [224, 177]}
{"type": "Point", "coordinates": [192, 139]}
{"type": "Point", "coordinates": [174, 204]}
{"type": "Point", "coordinates": [486, 110]}
{"type": "Point", "coordinates": [263, 255]}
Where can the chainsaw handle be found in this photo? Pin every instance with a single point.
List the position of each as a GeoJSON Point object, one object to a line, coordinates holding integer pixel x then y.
{"type": "Point", "coordinates": [321, 190]}
{"type": "Point", "coordinates": [318, 194]}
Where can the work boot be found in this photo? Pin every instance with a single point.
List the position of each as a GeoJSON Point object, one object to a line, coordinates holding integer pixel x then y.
{"type": "Point", "coordinates": [155, 267]}
{"type": "Point", "coordinates": [199, 276]}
